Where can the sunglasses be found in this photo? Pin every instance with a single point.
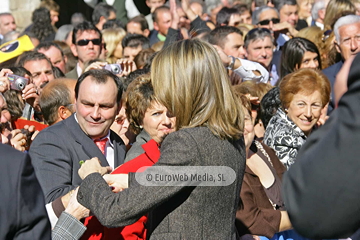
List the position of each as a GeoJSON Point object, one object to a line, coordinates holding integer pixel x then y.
{"type": "Point", "coordinates": [84, 42]}
{"type": "Point", "coordinates": [267, 21]}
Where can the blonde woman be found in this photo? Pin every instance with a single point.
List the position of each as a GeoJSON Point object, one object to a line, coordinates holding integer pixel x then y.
{"type": "Point", "coordinates": [113, 38]}
{"type": "Point", "coordinates": [336, 9]}
{"type": "Point", "coordinates": [190, 80]}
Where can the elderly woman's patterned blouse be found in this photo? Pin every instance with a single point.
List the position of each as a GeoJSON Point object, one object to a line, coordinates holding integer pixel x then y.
{"type": "Point", "coordinates": [285, 137]}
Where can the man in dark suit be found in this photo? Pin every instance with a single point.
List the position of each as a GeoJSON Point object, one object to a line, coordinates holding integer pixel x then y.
{"type": "Point", "coordinates": [23, 214]}
{"type": "Point", "coordinates": [57, 150]}
{"type": "Point", "coordinates": [321, 189]}
{"type": "Point", "coordinates": [347, 32]}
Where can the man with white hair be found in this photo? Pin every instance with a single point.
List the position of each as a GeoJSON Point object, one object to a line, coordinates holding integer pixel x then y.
{"type": "Point", "coordinates": [347, 43]}
{"type": "Point", "coordinates": [318, 14]}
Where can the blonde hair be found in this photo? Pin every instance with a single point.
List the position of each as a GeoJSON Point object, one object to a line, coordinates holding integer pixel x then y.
{"type": "Point", "coordinates": [336, 9]}
{"type": "Point", "coordinates": [315, 35]}
{"type": "Point", "coordinates": [190, 80]}
{"type": "Point", "coordinates": [112, 37]}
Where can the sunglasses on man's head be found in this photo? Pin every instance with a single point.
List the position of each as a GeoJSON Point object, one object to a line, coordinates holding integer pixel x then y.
{"type": "Point", "coordinates": [84, 42]}
{"type": "Point", "coordinates": [267, 21]}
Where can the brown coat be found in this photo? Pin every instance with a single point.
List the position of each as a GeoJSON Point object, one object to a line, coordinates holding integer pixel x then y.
{"type": "Point", "coordinates": [256, 215]}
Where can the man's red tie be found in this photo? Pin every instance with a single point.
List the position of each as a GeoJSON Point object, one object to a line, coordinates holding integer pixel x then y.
{"type": "Point", "coordinates": [101, 144]}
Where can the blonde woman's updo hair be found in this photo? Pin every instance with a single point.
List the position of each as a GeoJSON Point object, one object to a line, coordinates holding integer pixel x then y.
{"type": "Point", "coordinates": [190, 80]}
{"type": "Point", "coordinates": [112, 37]}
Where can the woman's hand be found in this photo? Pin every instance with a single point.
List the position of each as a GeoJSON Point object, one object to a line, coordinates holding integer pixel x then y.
{"type": "Point", "coordinates": [96, 65]}
{"type": "Point", "coordinates": [30, 95]}
{"type": "Point", "coordinates": [91, 166]}
{"type": "Point", "coordinates": [127, 66]}
{"type": "Point", "coordinates": [323, 116]}
{"type": "Point", "coordinates": [117, 181]}
{"type": "Point", "coordinates": [4, 81]}
{"type": "Point", "coordinates": [17, 140]}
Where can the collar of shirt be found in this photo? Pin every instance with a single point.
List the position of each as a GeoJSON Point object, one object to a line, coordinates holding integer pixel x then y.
{"type": "Point", "coordinates": [78, 69]}
{"type": "Point", "coordinates": [107, 136]}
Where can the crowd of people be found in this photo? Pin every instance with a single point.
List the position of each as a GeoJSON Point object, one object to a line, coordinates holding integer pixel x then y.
{"type": "Point", "coordinates": [266, 88]}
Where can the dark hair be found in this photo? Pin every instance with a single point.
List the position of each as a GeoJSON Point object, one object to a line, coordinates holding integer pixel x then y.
{"type": "Point", "coordinates": [42, 27]}
{"type": "Point", "coordinates": [141, 20]}
{"type": "Point", "coordinates": [133, 75]}
{"type": "Point", "coordinates": [57, 72]}
{"type": "Point", "coordinates": [47, 45]}
{"type": "Point", "coordinates": [242, 8]}
{"type": "Point", "coordinates": [50, 101]}
{"type": "Point", "coordinates": [269, 104]}
{"type": "Point", "coordinates": [279, 4]}
{"type": "Point", "coordinates": [135, 40]}
{"type": "Point", "coordinates": [82, 27]}
{"type": "Point", "coordinates": [100, 76]}
{"type": "Point", "coordinates": [257, 33]}
{"type": "Point", "coordinates": [157, 10]}
{"type": "Point", "coordinates": [293, 52]}
{"type": "Point", "coordinates": [223, 16]}
{"type": "Point", "coordinates": [113, 23]}
{"type": "Point", "coordinates": [142, 57]}
{"type": "Point", "coordinates": [219, 34]}
{"type": "Point", "coordinates": [31, 56]}
{"type": "Point", "coordinates": [102, 10]}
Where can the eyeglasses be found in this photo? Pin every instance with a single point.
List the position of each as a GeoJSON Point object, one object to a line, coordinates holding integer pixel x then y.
{"type": "Point", "coordinates": [267, 21]}
{"type": "Point", "coordinates": [84, 42]}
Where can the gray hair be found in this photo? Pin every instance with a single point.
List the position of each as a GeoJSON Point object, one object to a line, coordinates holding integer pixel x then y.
{"type": "Point", "coordinates": [316, 8]}
{"type": "Point", "coordinates": [63, 32]}
{"type": "Point", "coordinates": [211, 4]}
{"type": "Point", "coordinates": [281, 3]}
{"type": "Point", "coordinates": [257, 33]}
{"type": "Point", "coordinates": [346, 20]}
{"type": "Point", "coordinates": [258, 11]}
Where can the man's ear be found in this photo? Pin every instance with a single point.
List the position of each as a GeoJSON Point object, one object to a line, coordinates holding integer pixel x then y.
{"type": "Point", "coordinates": [102, 20]}
{"type": "Point", "coordinates": [321, 14]}
{"type": "Point", "coordinates": [146, 32]}
{"type": "Point", "coordinates": [63, 113]}
{"type": "Point", "coordinates": [337, 46]}
{"type": "Point", "coordinates": [74, 50]}
{"type": "Point", "coordinates": [156, 26]}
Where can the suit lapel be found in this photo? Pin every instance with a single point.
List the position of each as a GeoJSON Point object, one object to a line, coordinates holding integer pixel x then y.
{"type": "Point", "coordinates": [119, 149]}
{"type": "Point", "coordinates": [84, 141]}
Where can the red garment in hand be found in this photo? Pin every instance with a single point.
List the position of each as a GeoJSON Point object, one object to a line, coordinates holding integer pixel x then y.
{"type": "Point", "coordinates": [135, 231]}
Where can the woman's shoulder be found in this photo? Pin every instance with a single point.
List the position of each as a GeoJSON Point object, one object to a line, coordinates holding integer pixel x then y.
{"type": "Point", "coordinates": [136, 149]}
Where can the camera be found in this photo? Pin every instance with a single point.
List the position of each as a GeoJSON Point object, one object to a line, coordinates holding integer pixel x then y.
{"type": "Point", "coordinates": [114, 68]}
{"type": "Point", "coordinates": [17, 83]}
